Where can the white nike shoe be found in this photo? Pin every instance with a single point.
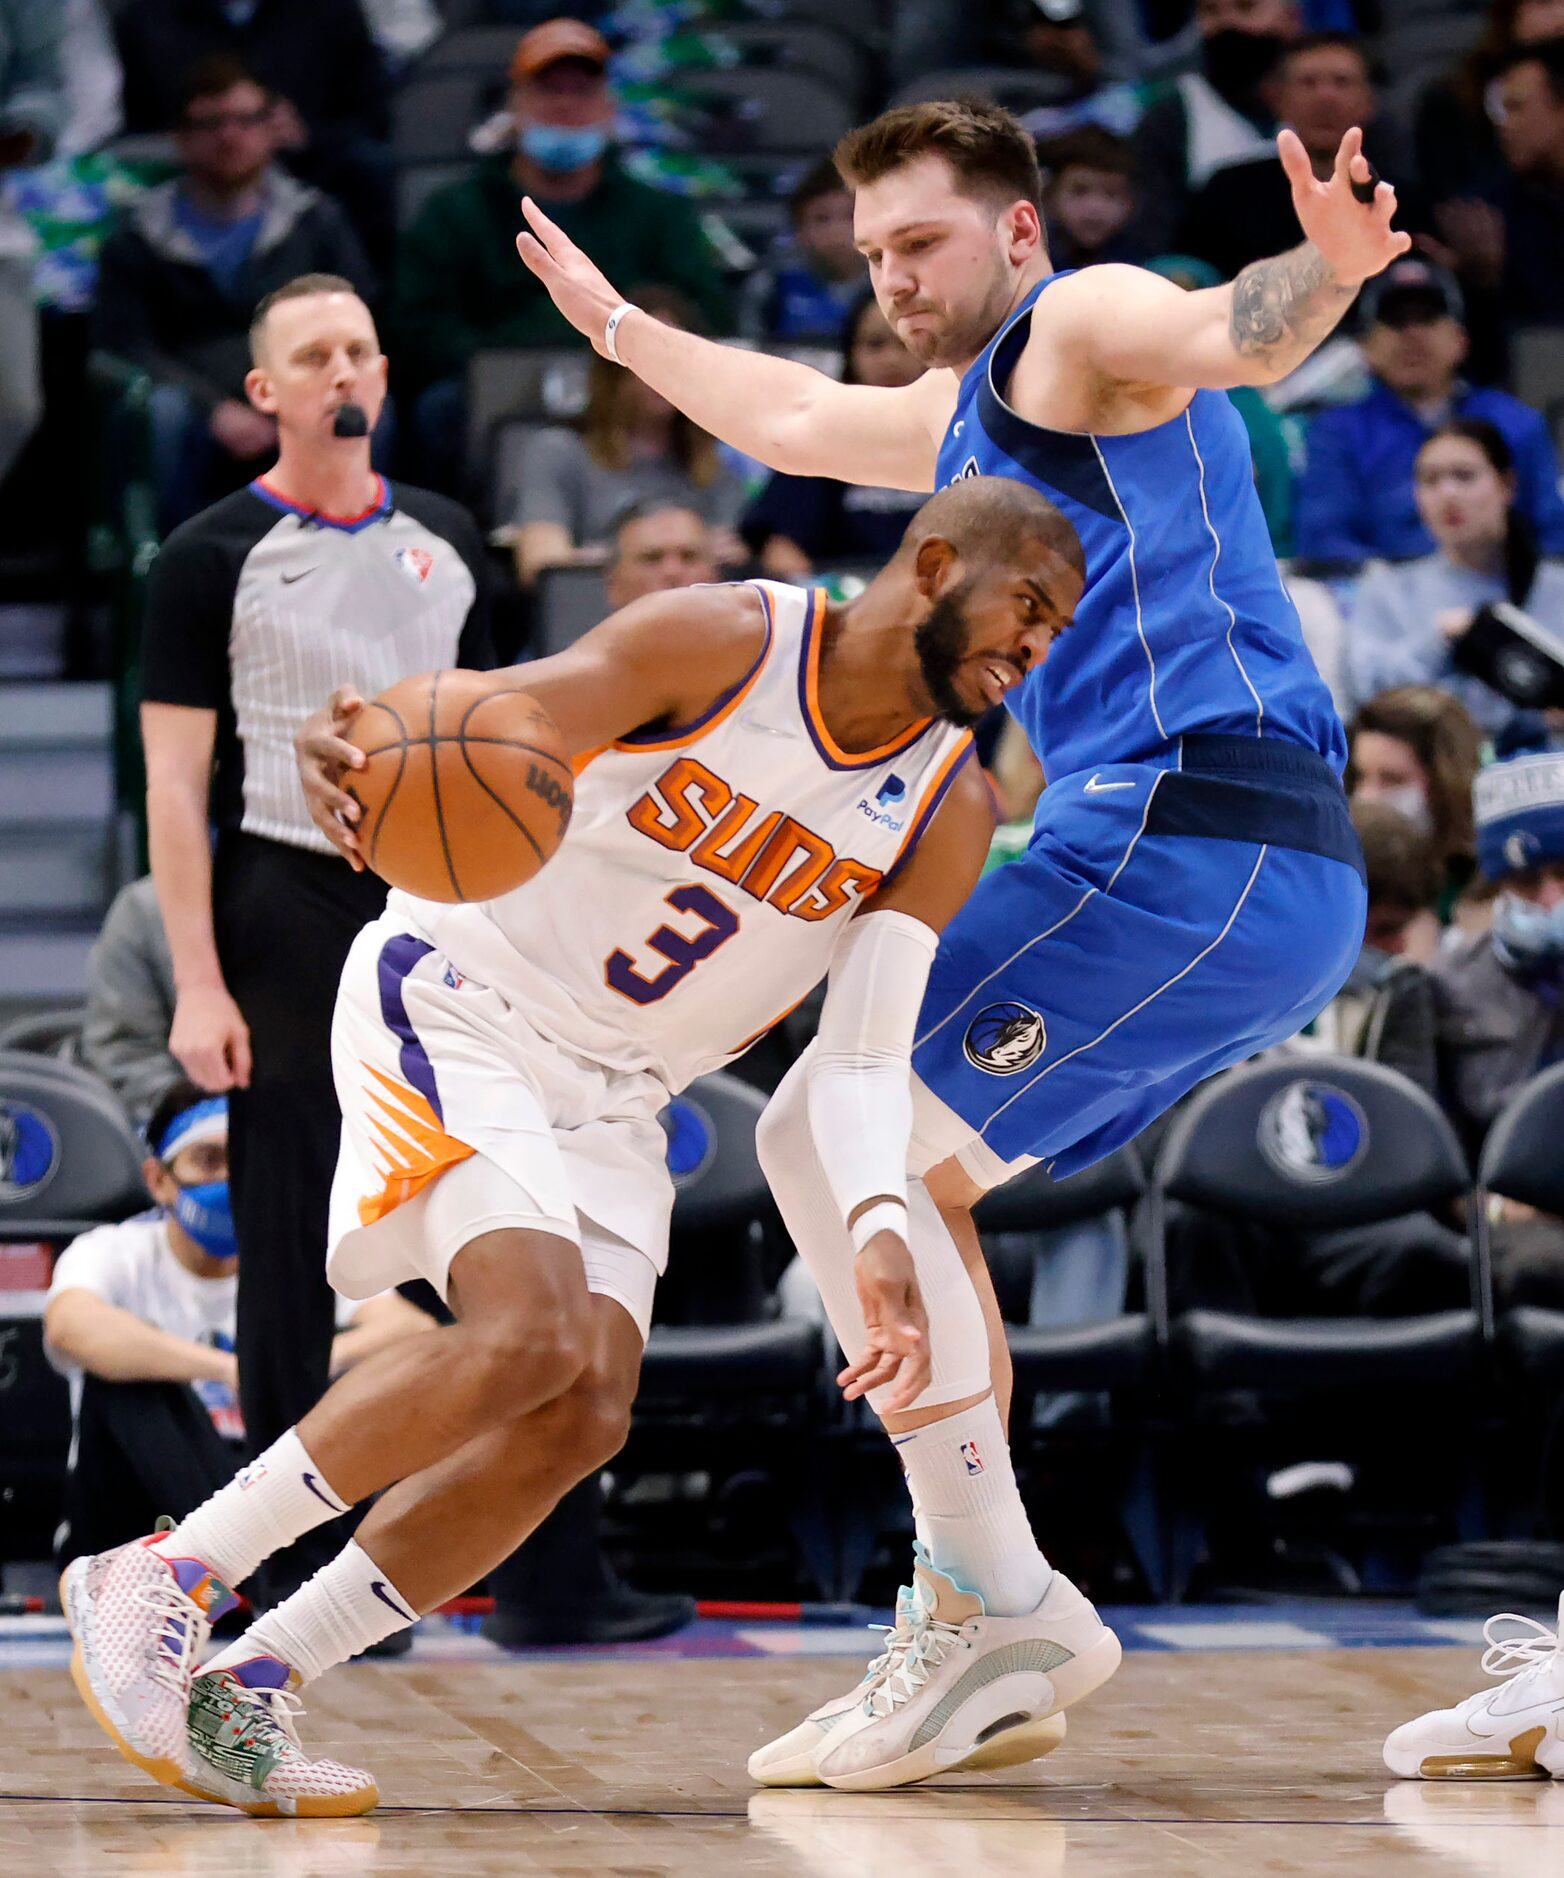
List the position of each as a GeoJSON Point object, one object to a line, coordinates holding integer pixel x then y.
{"type": "Point", "coordinates": [140, 1622]}
{"type": "Point", "coordinates": [789, 1761]}
{"type": "Point", "coordinates": [1508, 1733]}
{"type": "Point", "coordinates": [246, 1751]}
{"type": "Point", "coordinates": [964, 1681]}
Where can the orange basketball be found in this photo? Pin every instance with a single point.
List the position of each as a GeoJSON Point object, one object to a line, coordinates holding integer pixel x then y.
{"type": "Point", "coordinates": [467, 790]}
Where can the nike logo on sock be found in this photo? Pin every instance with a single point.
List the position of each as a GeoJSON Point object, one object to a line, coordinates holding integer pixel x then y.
{"type": "Point", "coordinates": [324, 1498]}
{"type": "Point", "coordinates": [383, 1591]}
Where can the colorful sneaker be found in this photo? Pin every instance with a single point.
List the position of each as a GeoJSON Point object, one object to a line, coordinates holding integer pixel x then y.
{"type": "Point", "coordinates": [140, 1622]}
{"type": "Point", "coordinates": [1508, 1733]}
{"type": "Point", "coordinates": [246, 1751]}
{"type": "Point", "coordinates": [789, 1761]}
{"type": "Point", "coordinates": [965, 1681]}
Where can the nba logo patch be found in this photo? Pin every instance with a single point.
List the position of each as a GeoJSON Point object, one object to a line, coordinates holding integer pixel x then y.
{"type": "Point", "coordinates": [973, 1460]}
{"type": "Point", "coordinates": [454, 978]}
{"type": "Point", "coordinates": [252, 1475]}
{"type": "Point", "coordinates": [1005, 1038]}
{"type": "Point", "coordinates": [415, 563]}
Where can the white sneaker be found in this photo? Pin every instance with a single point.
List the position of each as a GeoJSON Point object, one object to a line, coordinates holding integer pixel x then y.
{"type": "Point", "coordinates": [1508, 1733]}
{"type": "Point", "coordinates": [246, 1752]}
{"type": "Point", "coordinates": [140, 1622]}
{"type": "Point", "coordinates": [964, 1681]}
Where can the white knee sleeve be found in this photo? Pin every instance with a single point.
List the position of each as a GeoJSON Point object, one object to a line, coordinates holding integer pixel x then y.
{"type": "Point", "coordinates": [958, 1335]}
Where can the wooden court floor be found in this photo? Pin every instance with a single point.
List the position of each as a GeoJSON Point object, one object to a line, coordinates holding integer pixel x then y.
{"type": "Point", "coordinates": [1203, 1765]}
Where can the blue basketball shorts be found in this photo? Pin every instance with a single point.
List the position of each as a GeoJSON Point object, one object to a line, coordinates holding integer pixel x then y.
{"type": "Point", "coordinates": [1162, 924]}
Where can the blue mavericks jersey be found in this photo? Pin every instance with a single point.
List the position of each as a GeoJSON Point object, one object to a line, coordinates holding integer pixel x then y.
{"type": "Point", "coordinates": [1184, 624]}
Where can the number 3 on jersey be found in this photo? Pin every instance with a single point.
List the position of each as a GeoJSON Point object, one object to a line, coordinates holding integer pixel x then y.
{"type": "Point", "coordinates": [682, 951]}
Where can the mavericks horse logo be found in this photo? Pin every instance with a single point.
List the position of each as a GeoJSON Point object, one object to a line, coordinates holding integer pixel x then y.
{"type": "Point", "coordinates": [29, 1151]}
{"type": "Point", "coordinates": [1005, 1038]}
{"type": "Point", "coordinates": [1312, 1133]}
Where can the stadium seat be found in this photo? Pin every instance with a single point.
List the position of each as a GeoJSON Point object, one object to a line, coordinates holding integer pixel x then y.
{"type": "Point", "coordinates": [68, 1161]}
{"type": "Point", "coordinates": [1523, 1160]}
{"type": "Point", "coordinates": [433, 118]}
{"type": "Point", "coordinates": [729, 1387]}
{"type": "Point", "coordinates": [47, 1033]}
{"type": "Point", "coordinates": [748, 109]}
{"type": "Point", "coordinates": [1322, 1144]}
{"type": "Point", "coordinates": [1017, 90]}
{"type": "Point", "coordinates": [543, 384]}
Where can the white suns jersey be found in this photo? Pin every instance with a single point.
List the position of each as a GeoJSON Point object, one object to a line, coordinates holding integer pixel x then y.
{"type": "Point", "coordinates": [707, 870]}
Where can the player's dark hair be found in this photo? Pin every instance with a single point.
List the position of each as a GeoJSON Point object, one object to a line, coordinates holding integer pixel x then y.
{"type": "Point", "coordinates": [1439, 731]}
{"type": "Point", "coordinates": [990, 518]}
{"type": "Point", "coordinates": [301, 287]}
{"type": "Point", "coordinates": [1520, 539]}
{"type": "Point", "coordinates": [1088, 148]}
{"type": "Point", "coordinates": [986, 147]}
{"type": "Point", "coordinates": [211, 77]}
{"type": "Point", "coordinates": [818, 181]}
{"type": "Point", "coordinates": [1403, 872]}
{"type": "Point", "coordinates": [180, 1095]}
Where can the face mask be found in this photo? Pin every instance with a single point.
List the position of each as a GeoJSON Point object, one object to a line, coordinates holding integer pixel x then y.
{"type": "Point", "coordinates": [558, 149]}
{"type": "Point", "coordinates": [1528, 939]}
{"type": "Point", "coordinates": [1236, 62]}
{"type": "Point", "coordinates": [1411, 805]}
{"type": "Point", "coordinates": [206, 1213]}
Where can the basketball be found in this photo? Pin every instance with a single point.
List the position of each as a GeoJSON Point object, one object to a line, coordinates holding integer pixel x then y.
{"type": "Point", "coordinates": [467, 789]}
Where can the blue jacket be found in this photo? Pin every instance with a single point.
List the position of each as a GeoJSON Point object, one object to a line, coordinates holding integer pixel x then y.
{"type": "Point", "coordinates": [1354, 499]}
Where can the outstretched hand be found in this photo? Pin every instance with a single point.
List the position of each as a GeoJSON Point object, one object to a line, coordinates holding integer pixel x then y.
{"type": "Point", "coordinates": [1355, 237]}
{"type": "Point", "coordinates": [577, 285]}
{"type": "Point", "coordinates": [896, 1350]}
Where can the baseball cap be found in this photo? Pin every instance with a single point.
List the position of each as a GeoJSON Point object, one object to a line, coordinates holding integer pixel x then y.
{"type": "Point", "coordinates": [554, 41]}
{"type": "Point", "coordinates": [1412, 282]}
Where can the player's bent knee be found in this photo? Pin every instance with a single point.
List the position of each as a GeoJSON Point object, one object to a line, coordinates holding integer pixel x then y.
{"type": "Point", "coordinates": [586, 1426]}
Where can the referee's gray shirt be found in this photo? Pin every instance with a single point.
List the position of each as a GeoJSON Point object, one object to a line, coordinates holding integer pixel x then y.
{"type": "Point", "coordinates": [258, 609]}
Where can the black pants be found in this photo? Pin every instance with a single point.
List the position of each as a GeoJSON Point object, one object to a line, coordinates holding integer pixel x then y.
{"type": "Point", "coordinates": [142, 1449]}
{"type": "Point", "coordinates": [285, 918]}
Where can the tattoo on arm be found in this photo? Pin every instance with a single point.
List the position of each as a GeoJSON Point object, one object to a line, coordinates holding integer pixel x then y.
{"type": "Point", "coordinates": [1284, 307]}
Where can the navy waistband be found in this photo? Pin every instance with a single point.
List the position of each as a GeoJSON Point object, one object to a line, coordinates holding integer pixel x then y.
{"type": "Point", "coordinates": [1257, 789]}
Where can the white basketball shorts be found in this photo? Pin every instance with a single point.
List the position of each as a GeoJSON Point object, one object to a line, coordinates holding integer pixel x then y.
{"type": "Point", "coordinates": [458, 1118]}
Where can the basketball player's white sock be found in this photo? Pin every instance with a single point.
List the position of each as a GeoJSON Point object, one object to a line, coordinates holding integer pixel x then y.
{"type": "Point", "coordinates": [970, 1510]}
{"type": "Point", "coordinates": [348, 1605]}
{"type": "Point", "coordinates": [267, 1505]}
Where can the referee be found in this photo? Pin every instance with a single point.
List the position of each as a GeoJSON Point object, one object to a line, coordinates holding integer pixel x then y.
{"type": "Point", "coordinates": [318, 574]}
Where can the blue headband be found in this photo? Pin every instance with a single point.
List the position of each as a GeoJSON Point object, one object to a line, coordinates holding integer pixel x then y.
{"type": "Point", "coordinates": [200, 1119]}
{"type": "Point", "coordinates": [1519, 809]}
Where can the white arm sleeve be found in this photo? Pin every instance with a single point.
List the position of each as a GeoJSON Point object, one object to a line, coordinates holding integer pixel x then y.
{"type": "Point", "coordinates": [860, 1087]}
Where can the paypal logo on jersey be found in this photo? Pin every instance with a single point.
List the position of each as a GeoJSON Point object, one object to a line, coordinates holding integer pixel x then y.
{"type": "Point", "coordinates": [881, 811]}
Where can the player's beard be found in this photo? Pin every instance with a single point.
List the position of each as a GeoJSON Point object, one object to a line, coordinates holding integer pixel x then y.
{"type": "Point", "coordinates": [941, 645]}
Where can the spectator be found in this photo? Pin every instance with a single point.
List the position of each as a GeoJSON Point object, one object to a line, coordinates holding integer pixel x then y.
{"type": "Point", "coordinates": [799, 523]}
{"type": "Point", "coordinates": [1218, 115]}
{"type": "Point", "coordinates": [130, 1002]}
{"type": "Point", "coordinates": [315, 57]}
{"type": "Point", "coordinates": [1244, 211]}
{"type": "Point", "coordinates": [1416, 750]}
{"type": "Point", "coordinates": [657, 547]}
{"type": "Point", "coordinates": [1405, 618]}
{"type": "Point", "coordinates": [633, 447]}
{"type": "Point", "coordinates": [1511, 246]}
{"type": "Point", "coordinates": [807, 294]}
{"type": "Point", "coordinates": [32, 116]}
{"type": "Point", "coordinates": [140, 1319]}
{"type": "Point", "coordinates": [1456, 152]}
{"type": "Point", "coordinates": [1267, 441]}
{"type": "Point", "coordinates": [1089, 198]}
{"type": "Point", "coordinates": [459, 285]}
{"type": "Point", "coordinates": [1356, 497]}
{"type": "Point", "coordinates": [1501, 997]}
{"type": "Point", "coordinates": [318, 574]}
{"type": "Point", "coordinates": [1060, 38]}
{"type": "Point", "coordinates": [179, 277]}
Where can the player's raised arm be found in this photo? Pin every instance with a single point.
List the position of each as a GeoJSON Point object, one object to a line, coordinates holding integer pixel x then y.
{"type": "Point", "coordinates": [663, 659]}
{"type": "Point", "coordinates": [1130, 325]}
{"type": "Point", "coordinates": [786, 415]}
{"type": "Point", "coordinates": [860, 1091]}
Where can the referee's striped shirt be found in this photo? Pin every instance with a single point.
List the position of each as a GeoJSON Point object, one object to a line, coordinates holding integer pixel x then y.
{"type": "Point", "coordinates": [258, 609]}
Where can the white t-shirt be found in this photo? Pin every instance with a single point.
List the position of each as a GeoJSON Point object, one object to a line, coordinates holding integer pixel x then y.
{"type": "Point", "coordinates": [133, 1266]}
